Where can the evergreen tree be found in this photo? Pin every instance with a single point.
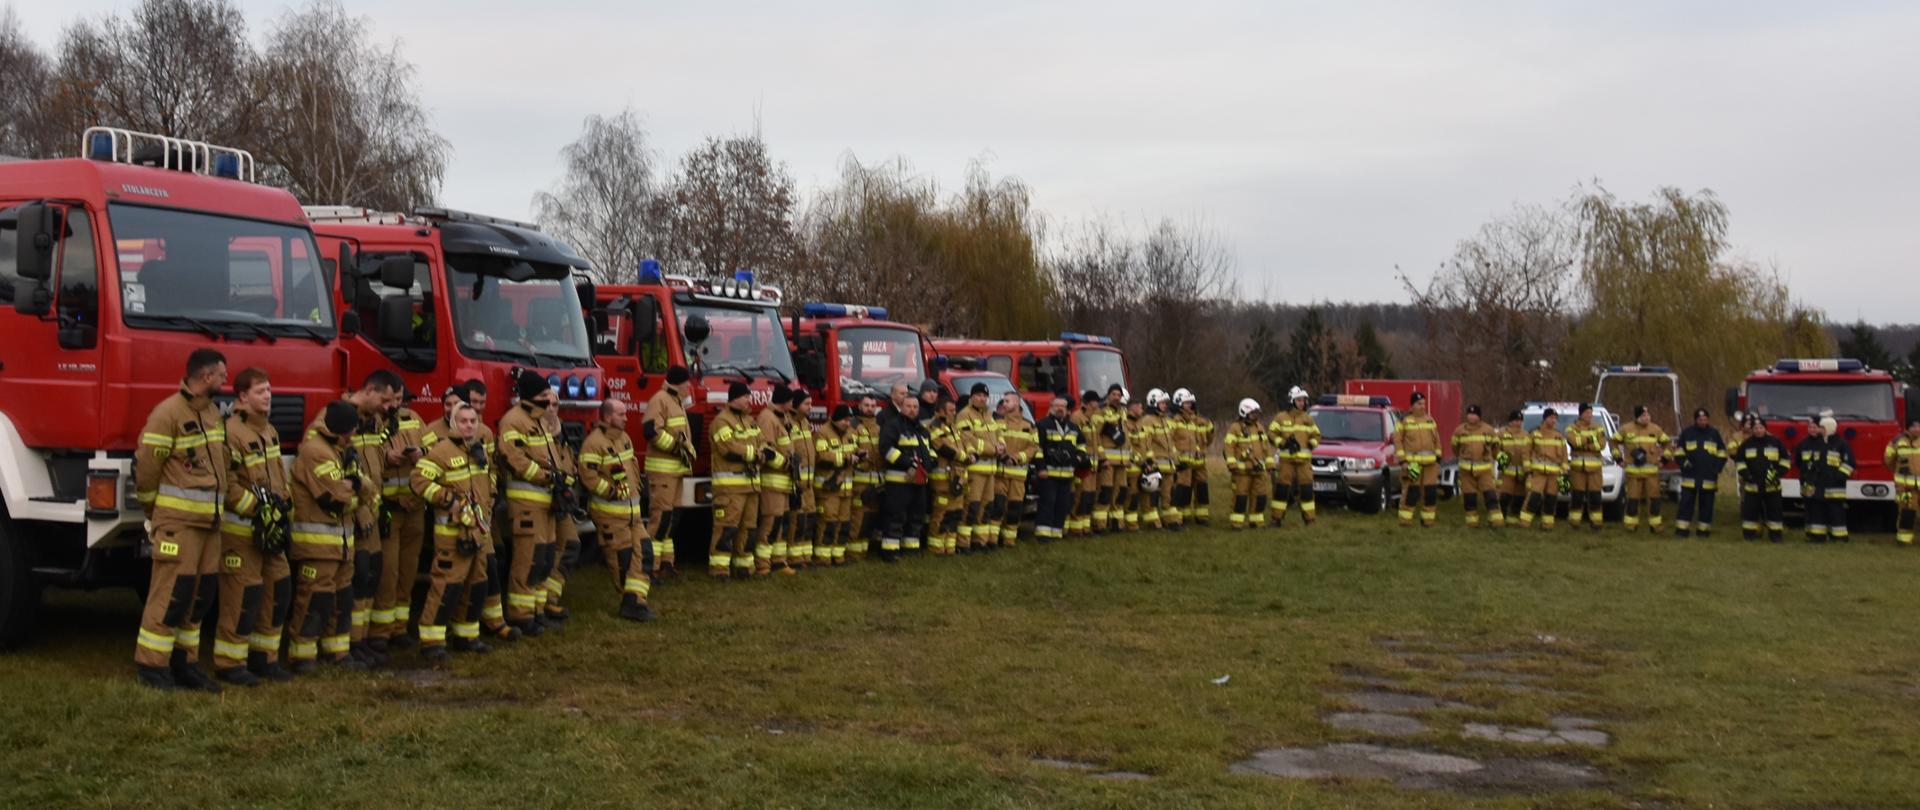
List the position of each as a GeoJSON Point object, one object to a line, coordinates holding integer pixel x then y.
{"type": "Point", "coordinates": [1862, 343]}
{"type": "Point", "coordinates": [1375, 363]}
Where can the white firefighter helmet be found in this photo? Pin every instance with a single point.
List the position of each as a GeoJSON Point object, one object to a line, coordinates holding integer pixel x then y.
{"type": "Point", "coordinates": [1155, 397]}
{"type": "Point", "coordinates": [1297, 394]}
{"type": "Point", "coordinates": [1182, 397]}
{"type": "Point", "coordinates": [1248, 407]}
{"type": "Point", "coordinates": [1126, 397]}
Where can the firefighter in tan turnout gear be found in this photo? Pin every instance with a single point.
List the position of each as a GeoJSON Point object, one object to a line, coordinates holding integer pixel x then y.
{"type": "Point", "coordinates": [256, 586]}
{"type": "Point", "coordinates": [538, 492]}
{"type": "Point", "coordinates": [610, 469]}
{"type": "Point", "coordinates": [1515, 448]}
{"type": "Point", "coordinates": [671, 451]}
{"type": "Point", "coordinates": [402, 526]}
{"type": "Point", "coordinates": [1161, 460]}
{"type": "Point", "coordinates": [453, 483]}
{"type": "Point", "coordinates": [1020, 443]}
{"type": "Point", "coordinates": [180, 478]}
{"type": "Point", "coordinates": [1645, 446]}
{"type": "Point", "coordinates": [1903, 460]}
{"type": "Point", "coordinates": [327, 492]}
{"type": "Point", "coordinates": [1546, 468]}
{"type": "Point", "coordinates": [735, 456]}
{"type": "Point", "coordinates": [1249, 457]}
{"type": "Point", "coordinates": [1588, 440]}
{"type": "Point", "coordinates": [836, 451]}
{"type": "Point", "coordinates": [1416, 443]}
{"type": "Point", "coordinates": [1477, 445]}
{"type": "Point", "coordinates": [1295, 435]}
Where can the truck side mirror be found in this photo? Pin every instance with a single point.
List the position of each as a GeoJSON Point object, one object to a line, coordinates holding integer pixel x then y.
{"type": "Point", "coordinates": [396, 272]}
{"type": "Point", "coordinates": [1733, 401]}
{"type": "Point", "coordinates": [33, 250]}
{"type": "Point", "coordinates": [396, 319]}
{"type": "Point", "coordinates": [344, 267]}
{"type": "Point", "coordinates": [646, 318]}
{"type": "Point", "coordinates": [349, 323]}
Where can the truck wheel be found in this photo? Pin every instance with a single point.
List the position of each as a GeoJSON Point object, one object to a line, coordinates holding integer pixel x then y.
{"type": "Point", "coordinates": [19, 594]}
{"type": "Point", "coordinates": [1374, 503]}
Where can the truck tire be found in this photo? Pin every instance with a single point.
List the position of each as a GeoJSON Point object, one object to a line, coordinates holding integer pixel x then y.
{"type": "Point", "coordinates": [19, 593]}
{"type": "Point", "coordinates": [1376, 502]}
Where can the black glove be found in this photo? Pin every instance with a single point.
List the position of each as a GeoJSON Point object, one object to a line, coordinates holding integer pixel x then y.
{"type": "Point", "coordinates": [1639, 456]}
{"type": "Point", "coordinates": [349, 457]}
{"type": "Point", "coordinates": [1292, 445]}
{"type": "Point", "coordinates": [478, 454]}
{"type": "Point", "coordinates": [767, 455]}
{"type": "Point", "coordinates": [353, 481]}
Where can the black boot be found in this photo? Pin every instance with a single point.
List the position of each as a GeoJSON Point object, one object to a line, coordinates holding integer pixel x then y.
{"type": "Point", "coordinates": [258, 664]}
{"type": "Point", "coordinates": [469, 645]}
{"type": "Point", "coordinates": [238, 676]}
{"type": "Point", "coordinates": [632, 610]}
{"type": "Point", "coordinates": [189, 676]}
{"type": "Point", "coordinates": [157, 677]}
{"type": "Point", "coordinates": [400, 642]}
{"type": "Point", "coordinates": [303, 667]}
{"type": "Point", "coordinates": [436, 654]}
{"type": "Point", "coordinates": [530, 628]}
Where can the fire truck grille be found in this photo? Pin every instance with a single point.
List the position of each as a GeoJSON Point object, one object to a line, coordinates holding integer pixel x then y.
{"type": "Point", "coordinates": [289, 418]}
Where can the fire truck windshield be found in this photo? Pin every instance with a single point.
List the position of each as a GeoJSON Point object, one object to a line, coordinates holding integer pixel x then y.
{"type": "Point", "coordinates": [1351, 426]}
{"type": "Point", "coordinates": [881, 356]}
{"type": "Point", "coordinates": [184, 270]}
{"type": "Point", "coordinates": [1100, 369]}
{"type": "Point", "coordinates": [1863, 401]}
{"type": "Point", "coordinates": [537, 321]}
{"type": "Point", "coordinates": [739, 340]}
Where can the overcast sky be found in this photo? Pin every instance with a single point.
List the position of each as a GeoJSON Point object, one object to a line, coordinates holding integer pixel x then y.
{"type": "Point", "coordinates": [1327, 142]}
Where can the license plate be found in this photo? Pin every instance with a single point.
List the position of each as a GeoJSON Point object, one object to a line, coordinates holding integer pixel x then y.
{"type": "Point", "coordinates": [1326, 486]}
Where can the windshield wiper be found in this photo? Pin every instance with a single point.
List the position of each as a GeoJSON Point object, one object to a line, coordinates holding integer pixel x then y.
{"type": "Point", "coordinates": [208, 329]}
{"type": "Point", "coordinates": [728, 368]}
{"type": "Point", "coordinates": [768, 371]}
{"type": "Point", "coordinates": [303, 330]}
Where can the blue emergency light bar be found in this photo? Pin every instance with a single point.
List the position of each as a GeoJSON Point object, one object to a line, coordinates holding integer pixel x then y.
{"type": "Point", "coordinates": [743, 275]}
{"type": "Point", "coordinates": [817, 309]}
{"type": "Point", "coordinates": [554, 382]}
{"type": "Point", "coordinates": [1081, 337]}
{"type": "Point", "coordinates": [650, 271]}
{"type": "Point", "coordinates": [1845, 364]}
{"type": "Point", "coordinates": [1639, 369]}
{"type": "Point", "coordinates": [1356, 400]}
{"type": "Point", "coordinates": [100, 146]}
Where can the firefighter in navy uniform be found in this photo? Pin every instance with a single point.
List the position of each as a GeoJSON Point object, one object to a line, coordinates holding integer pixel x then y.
{"type": "Point", "coordinates": [610, 470]}
{"type": "Point", "coordinates": [906, 450]}
{"type": "Point", "coordinates": [453, 483]}
{"type": "Point", "coordinates": [1416, 442]}
{"type": "Point", "coordinates": [1703, 454]}
{"type": "Point", "coordinates": [180, 473]}
{"type": "Point", "coordinates": [256, 586]}
{"type": "Point", "coordinates": [1825, 461]}
{"type": "Point", "coordinates": [1477, 445]}
{"type": "Point", "coordinates": [1515, 448]}
{"type": "Point", "coordinates": [326, 503]}
{"type": "Point", "coordinates": [1061, 454]}
{"type": "Point", "coordinates": [1903, 460]}
{"type": "Point", "coordinates": [1760, 462]}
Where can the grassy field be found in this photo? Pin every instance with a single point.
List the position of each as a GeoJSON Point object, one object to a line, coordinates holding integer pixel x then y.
{"type": "Point", "coordinates": [1729, 674]}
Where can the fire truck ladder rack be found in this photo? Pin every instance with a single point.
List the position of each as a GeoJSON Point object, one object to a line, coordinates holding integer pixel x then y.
{"type": "Point", "coordinates": [161, 151]}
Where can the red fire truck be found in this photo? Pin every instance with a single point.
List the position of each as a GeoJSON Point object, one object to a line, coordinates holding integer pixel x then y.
{"type": "Point", "coordinates": [843, 351]}
{"type": "Point", "coordinates": [449, 296]}
{"type": "Point", "coordinates": [1869, 405]}
{"type": "Point", "coordinates": [1044, 369]}
{"type": "Point", "coordinates": [115, 266]}
{"type": "Point", "coordinates": [724, 331]}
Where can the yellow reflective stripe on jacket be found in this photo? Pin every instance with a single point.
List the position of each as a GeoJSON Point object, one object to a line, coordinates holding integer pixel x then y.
{"type": "Point", "coordinates": [524, 491]}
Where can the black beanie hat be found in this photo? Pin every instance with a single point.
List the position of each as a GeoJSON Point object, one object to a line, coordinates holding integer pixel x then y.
{"type": "Point", "coordinates": [1639, 411]}
{"type": "Point", "coordinates": [1516, 416]}
{"type": "Point", "coordinates": [1115, 389]}
{"type": "Point", "coordinates": [1089, 396]}
{"type": "Point", "coordinates": [738, 390]}
{"type": "Point", "coordinates": [978, 390]}
{"type": "Point", "coordinates": [1473, 409]}
{"type": "Point", "coordinates": [677, 375]}
{"type": "Point", "coordinates": [842, 412]}
{"type": "Point", "coordinates": [799, 395]}
{"type": "Point", "coordinates": [341, 417]}
{"type": "Point", "coordinates": [530, 385]}
{"type": "Point", "coordinates": [1699, 412]}
{"type": "Point", "coordinates": [781, 395]}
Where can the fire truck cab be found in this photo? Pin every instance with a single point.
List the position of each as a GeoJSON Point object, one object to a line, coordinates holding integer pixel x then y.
{"type": "Point", "coordinates": [114, 266]}
{"type": "Point", "coordinates": [844, 351]}
{"type": "Point", "coordinates": [722, 330]}
{"type": "Point", "coordinates": [1870, 406]}
{"type": "Point", "coordinates": [448, 296]}
{"type": "Point", "coordinates": [1044, 369]}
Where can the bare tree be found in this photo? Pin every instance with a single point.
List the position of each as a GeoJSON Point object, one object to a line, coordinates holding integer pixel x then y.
{"type": "Point", "coordinates": [606, 203]}
{"type": "Point", "coordinates": [873, 238]}
{"type": "Point", "coordinates": [342, 122]}
{"type": "Point", "coordinates": [729, 206]}
{"type": "Point", "coordinates": [24, 80]}
{"type": "Point", "coordinates": [1096, 270]}
{"type": "Point", "coordinates": [179, 67]}
{"type": "Point", "coordinates": [1497, 312]}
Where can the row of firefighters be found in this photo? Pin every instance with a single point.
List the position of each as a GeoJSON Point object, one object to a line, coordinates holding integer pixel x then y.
{"type": "Point", "coordinates": [320, 560]}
